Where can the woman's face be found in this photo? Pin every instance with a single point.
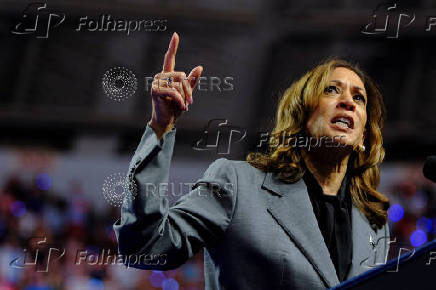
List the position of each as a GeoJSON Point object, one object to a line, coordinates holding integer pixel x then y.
{"type": "Point", "coordinates": [341, 110]}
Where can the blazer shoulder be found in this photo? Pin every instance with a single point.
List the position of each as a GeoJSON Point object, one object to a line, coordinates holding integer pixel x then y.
{"type": "Point", "coordinates": [243, 170]}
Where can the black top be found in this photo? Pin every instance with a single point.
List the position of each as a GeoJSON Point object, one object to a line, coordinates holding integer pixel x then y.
{"type": "Point", "coordinates": [333, 214]}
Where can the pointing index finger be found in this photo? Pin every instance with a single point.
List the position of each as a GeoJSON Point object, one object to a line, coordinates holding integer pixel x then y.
{"type": "Point", "coordinates": [170, 55]}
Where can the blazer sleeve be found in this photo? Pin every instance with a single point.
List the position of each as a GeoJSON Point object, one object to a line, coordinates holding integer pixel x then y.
{"type": "Point", "coordinates": [149, 227]}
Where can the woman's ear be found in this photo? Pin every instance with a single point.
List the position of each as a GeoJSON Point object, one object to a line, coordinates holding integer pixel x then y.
{"type": "Point", "coordinates": [361, 146]}
{"type": "Point", "coordinates": [363, 136]}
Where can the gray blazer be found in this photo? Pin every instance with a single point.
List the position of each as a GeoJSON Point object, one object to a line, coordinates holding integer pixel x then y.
{"type": "Point", "coordinates": [257, 232]}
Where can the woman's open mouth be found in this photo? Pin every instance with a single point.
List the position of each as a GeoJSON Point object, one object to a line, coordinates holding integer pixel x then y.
{"type": "Point", "coordinates": [343, 123]}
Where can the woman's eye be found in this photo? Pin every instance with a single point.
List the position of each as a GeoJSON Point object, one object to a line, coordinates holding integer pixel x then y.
{"type": "Point", "coordinates": [359, 98]}
{"type": "Point", "coordinates": [331, 90]}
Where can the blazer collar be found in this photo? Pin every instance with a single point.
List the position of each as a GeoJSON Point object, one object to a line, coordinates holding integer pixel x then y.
{"type": "Point", "coordinates": [363, 251]}
{"type": "Point", "coordinates": [292, 209]}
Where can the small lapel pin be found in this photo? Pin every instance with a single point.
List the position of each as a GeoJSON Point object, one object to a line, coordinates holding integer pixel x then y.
{"type": "Point", "coordinates": [371, 242]}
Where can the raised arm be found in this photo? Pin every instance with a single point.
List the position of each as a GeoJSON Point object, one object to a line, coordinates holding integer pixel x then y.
{"type": "Point", "coordinates": [149, 227]}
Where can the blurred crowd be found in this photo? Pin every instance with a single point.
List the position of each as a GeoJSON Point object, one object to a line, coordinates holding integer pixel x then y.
{"type": "Point", "coordinates": [38, 225]}
{"type": "Point", "coordinates": [412, 214]}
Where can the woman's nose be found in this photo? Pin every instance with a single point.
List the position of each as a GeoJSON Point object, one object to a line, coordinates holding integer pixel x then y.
{"type": "Point", "coordinates": [346, 104]}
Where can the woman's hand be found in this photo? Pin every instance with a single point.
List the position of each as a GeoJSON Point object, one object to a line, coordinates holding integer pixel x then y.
{"type": "Point", "coordinates": [171, 91]}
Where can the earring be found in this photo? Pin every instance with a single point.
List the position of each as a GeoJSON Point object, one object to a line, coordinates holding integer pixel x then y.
{"type": "Point", "coordinates": [362, 148]}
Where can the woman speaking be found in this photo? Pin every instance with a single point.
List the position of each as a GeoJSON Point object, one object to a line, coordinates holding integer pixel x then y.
{"type": "Point", "coordinates": [295, 217]}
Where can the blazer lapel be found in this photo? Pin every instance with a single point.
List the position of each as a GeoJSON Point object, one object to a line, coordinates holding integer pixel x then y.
{"type": "Point", "coordinates": [362, 235]}
{"type": "Point", "coordinates": [292, 209]}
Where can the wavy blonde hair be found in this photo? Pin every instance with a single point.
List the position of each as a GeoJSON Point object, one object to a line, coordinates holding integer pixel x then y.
{"type": "Point", "coordinates": [295, 106]}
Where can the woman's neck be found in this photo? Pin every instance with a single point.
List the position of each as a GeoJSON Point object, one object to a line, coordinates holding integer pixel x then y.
{"type": "Point", "coordinates": [327, 167]}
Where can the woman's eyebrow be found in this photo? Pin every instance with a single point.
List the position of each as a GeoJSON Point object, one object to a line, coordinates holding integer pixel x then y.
{"type": "Point", "coordinates": [354, 87]}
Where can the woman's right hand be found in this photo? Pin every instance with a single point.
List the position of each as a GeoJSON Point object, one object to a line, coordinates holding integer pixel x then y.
{"type": "Point", "coordinates": [171, 91]}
